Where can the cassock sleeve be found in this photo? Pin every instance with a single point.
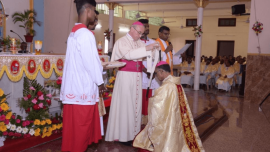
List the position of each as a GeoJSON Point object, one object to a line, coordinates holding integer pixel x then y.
{"type": "Point", "coordinates": [122, 50]}
{"type": "Point", "coordinates": [91, 60]}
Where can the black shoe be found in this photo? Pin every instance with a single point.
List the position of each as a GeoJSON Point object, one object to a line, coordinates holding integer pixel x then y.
{"type": "Point", "coordinates": [128, 143]}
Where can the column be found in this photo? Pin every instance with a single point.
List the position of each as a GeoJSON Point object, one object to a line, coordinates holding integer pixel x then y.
{"type": "Point", "coordinates": [200, 4]}
{"type": "Point", "coordinates": [111, 7]}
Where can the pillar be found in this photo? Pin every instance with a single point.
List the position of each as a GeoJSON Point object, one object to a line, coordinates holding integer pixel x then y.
{"type": "Point", "coordinates": [111, 7]}
{"type": "Point", "coordinates": [200, 4]}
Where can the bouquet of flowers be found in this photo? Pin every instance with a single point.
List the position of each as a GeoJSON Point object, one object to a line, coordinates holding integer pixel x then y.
{"type": "Point", "coordinates": [257, 27]}
{"type": "Point", "coordinates": [58, 83]}
{"type": "Point", "coordinates": [197, 31]}
{"type": "Point", "coordinates": [6, 41]}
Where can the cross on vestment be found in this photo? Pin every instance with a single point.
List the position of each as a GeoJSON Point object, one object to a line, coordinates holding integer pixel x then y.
{"type": "Point", "coordinates": [137, 65]}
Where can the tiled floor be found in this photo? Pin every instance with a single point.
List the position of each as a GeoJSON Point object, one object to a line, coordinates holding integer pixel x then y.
{"type": "Point", "coordinates": [246, 130]}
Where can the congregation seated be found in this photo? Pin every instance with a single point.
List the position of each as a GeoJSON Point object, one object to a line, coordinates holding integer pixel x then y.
{"type": "Point", "coordinates": [225, 80]}
{"type": "Point", "coordinates": [187, 72]}
{"type": "Point", "coordinates": [205, 70]}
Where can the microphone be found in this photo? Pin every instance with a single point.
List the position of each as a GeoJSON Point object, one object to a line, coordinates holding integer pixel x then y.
{"type": "Point", "coordinates": [17, 34]}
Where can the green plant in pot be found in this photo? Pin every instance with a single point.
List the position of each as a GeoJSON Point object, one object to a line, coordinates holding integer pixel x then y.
{"type": "Point", "coordinates": [28, 19]}
{"type": "Point", "coordinates": [5, 42]}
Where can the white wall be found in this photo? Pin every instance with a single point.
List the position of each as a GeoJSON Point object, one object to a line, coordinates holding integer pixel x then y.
{"type": "Point", "coordinates": [12, 6]}
{"type": "Point", "coordinates": [212, 33]}
{"type": "Point", "coordinates": [262, 12]}
{"type": "Point", "coordinates": [60, 17]}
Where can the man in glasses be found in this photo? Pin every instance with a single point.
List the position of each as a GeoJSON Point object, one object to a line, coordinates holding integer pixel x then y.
{"type": "Point", "coordinates": [126, 105]}
{"type": "Point", "coordinates": [170, 126]}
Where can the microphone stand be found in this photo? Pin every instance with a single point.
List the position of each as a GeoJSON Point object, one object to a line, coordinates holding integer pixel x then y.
{"type": "Point", "coordinates": [17, 34]}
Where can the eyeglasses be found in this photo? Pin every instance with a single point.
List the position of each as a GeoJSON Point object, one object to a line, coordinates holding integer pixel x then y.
{"type": "Point", "coordinates": [138, 31]}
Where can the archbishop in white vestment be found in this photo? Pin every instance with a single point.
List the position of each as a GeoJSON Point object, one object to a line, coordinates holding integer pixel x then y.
{"type": "Point", "coordinates": [126, 106]}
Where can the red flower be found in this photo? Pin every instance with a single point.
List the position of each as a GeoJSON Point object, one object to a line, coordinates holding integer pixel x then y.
{"type": "Point", "coordinates": [27, 110]}
{"type": "Point", "coordinates": [11, 134]}
{"type": "Point", "coordinates": [5, 133]}
{"type": "Point", "coordinates": [18, 120]}
{"type": "Point", "coordinates": [6, 121]}
{"type": "Point", "coordinates": [39, 93]}
{"type": "Point", "coordinates": [24, 124]}
{"type": "Point", "coordinates": [44, 107]}
{"type": "Point", "coordinates": [29, 96]}
{"type": "Point", "coordinates": [59, 82]}
{"type": "Point", "coordinates": [36, 107]}
{"type": "Point", "coordinates": [49, 102]}
{"type": "Point", "coordinates": [27, 122]}
{"type": "Point", "coordinates": [13, 116]}
{"type": "Point", "coordinates": [17, 134]}
{"type": "Point", "coordinates": [2, 118]}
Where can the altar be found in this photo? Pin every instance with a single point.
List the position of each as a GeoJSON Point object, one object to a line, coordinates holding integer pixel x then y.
{"type": "Point", "coordinates": [13, 68]}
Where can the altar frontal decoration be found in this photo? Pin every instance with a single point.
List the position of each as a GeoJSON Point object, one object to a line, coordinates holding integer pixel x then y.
{"type": "Point", "coordinates": [16, 66]}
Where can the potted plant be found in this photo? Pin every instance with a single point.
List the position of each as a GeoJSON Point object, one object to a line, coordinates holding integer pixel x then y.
{"type": "Point", "coordinates": [28, 19]}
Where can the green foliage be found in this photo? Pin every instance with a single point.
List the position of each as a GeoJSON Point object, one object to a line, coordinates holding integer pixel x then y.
{"type": "Point", "coordinates": [6, 41]}
{"type": "Point", "coordinates": [28, 19]}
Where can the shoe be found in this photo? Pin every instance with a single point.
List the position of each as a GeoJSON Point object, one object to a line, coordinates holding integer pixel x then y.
{"type": "Point", "coordinates": [128, 143]}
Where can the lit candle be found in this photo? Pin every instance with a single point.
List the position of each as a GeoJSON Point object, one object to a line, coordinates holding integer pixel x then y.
{"type": "Point", "coordinates": [38, 46]}
{"type": "Point", "coordinates": [13, 44]}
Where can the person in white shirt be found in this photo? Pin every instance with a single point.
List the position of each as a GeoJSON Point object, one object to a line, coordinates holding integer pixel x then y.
{"type": "Point", "coordinates": [81, 84]}
{"type": "Point", "coordinates": [145, 76]}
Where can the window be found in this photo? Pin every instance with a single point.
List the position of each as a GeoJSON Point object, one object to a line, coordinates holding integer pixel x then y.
{"type": "Point", "coordinates": [191, 22]}
{"type": "Point", "coordinates": [227, 22]}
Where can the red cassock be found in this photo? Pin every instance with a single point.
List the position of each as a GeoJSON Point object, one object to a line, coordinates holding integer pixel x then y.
{"type": "Point", "coordinates": [81, 127]}
{"type": "Point", "coordinates": [145, 101]}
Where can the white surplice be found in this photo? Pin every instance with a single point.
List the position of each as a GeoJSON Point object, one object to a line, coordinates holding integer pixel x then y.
{"type": "Point", "coordinates": [126, 105]}
{"type": "Point", "coordinates": [82, 70]}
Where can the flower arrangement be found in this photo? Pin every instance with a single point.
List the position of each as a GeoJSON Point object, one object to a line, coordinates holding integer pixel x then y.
{"type": "Point", "coordinates": [107, 34]}
{"type": "Point", "coordinates": [6, 41]}
{"type": "Point", "coordinates": [35, 101]}
{"type": "Point", "coordinates": [12, 126]}
{"type": "Point", "coordinates": [257, 27]}
{"type": "Point", "coordinates": [58, 83]}
{"type": "Point", "coordinates": [197, 31]}
{"type": "Point", "coordinates": [110, 85]}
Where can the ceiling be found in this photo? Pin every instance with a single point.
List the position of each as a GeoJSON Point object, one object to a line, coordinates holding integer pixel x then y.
{"type": "Point", "coordinates": [176, 10]}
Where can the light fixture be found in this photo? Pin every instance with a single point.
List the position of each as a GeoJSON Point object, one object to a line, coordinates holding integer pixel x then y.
{"type": "Point", "coordinates": [123, 29]}
{"type": "Point", "coordinates": [38, 46]}
{"type": "Point", "coordinates": [98, 26]}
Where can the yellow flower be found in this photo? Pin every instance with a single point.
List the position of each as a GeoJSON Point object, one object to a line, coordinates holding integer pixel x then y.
{"type": "Point", "coordinates": [37, 122]}
{"type": "Point", "coordinates": [58, 126]}
{"type": "Point", "coordinates": [37, 132]}
{"type": "Point", "coordinates": [4, 106]}
{"type": "Point", "coordinates": [44, 135]}
{"type": "Point", "coordinates": [4, 99]}
{"type": "Point", "coordinates": [43, 122]}
{"type": "Point", "coordinates": [49, 133]}
{"type": "Point", "coordinates": [48, 121]}
{"type": "Point", "coordinates": [1, 92]}
{"type": "Point", "coordinates": [50, 129]}
{"type": "Point", "coordinates": [2, 123]}
{"type": "Point", "coordinates": [45, 129]}
{"type": "Point", "coordinates": [110, 81]}
{"type": "Point", "coordinates": [53, 127]}
{"type": "Point", "coordinates": [8, 116]}
{"type": "Point", "coordinates": [3, 128]}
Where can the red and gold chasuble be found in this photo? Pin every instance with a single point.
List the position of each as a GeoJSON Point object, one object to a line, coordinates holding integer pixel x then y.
{"type": "Point", "coordinates": [167, 54]}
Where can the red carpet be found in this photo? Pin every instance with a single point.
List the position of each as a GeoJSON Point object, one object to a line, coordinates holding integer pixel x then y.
{"type": "Point", "coordinates": [14, 145]}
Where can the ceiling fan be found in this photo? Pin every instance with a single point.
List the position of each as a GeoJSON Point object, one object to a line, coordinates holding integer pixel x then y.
{"type": "Point", "coordinates": [138, 15]}
{"type": "Point", "coordinates": [163, 21]}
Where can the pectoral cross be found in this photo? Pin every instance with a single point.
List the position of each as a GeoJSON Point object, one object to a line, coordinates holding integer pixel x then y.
{"type": "Point", "coordinates": [137, 65]}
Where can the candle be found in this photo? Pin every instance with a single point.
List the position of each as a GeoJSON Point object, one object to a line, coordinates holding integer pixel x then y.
{"type": "Point", "coordinates": [13, 44]}
{"type": "Point", "coordinates": [38, 46]}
